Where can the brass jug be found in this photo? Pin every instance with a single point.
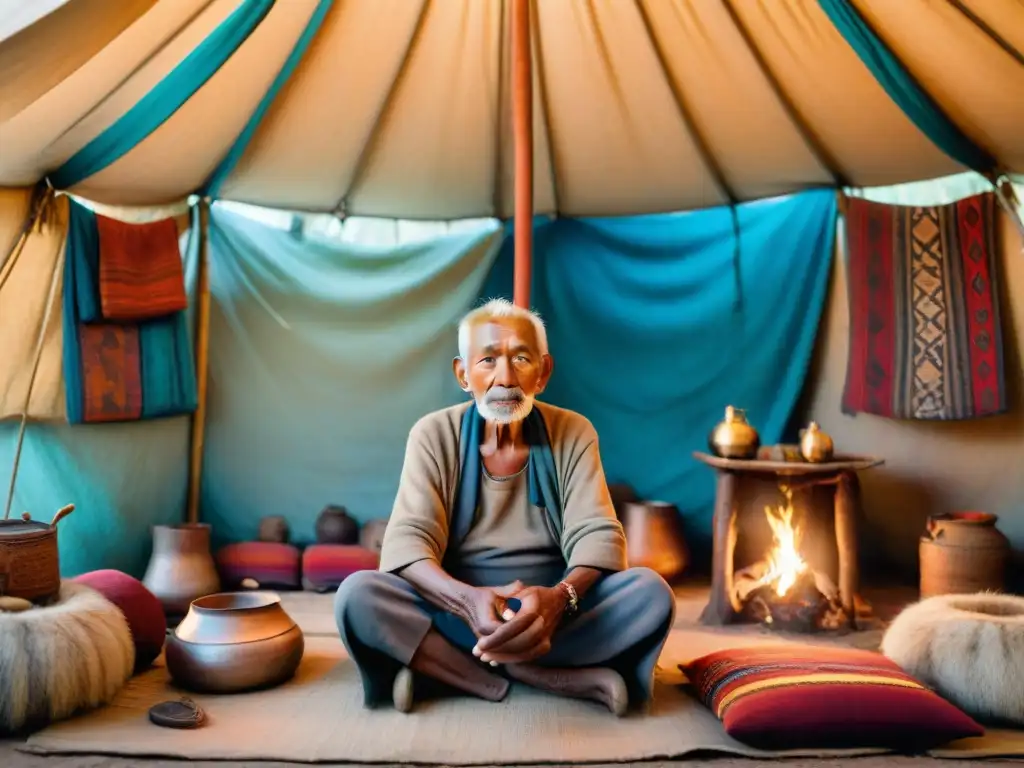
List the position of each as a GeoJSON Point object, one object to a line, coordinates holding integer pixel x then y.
{"type": "Point", "coordinates": [734, 438]}
{"type": "Point", "coordinates": [815, 445]}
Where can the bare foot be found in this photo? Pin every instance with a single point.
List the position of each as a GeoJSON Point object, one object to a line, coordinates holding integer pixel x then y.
{"type": "Point", "coordinates": [402, 690]}
{"type": "Point", "coordinates": [601, 684]}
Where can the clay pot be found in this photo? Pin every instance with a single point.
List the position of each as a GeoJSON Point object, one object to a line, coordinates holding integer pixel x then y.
{"type": "Point", "coordinates": [371, 535]}
{"type": "Point", "coordinates": [334, 526]}
{"type": "Point", "coordinates": [962, 553]}
{"type": "Point", "coordinates": [654, 538]}
{"type": "Point", "coordinates": [181, 567]}
{"type": "Point", "coordinates": [234, 641]}
{"type": "Point", "coordinates": [274, 529]}
{"type": "Point", "coordinates": [734, 438]}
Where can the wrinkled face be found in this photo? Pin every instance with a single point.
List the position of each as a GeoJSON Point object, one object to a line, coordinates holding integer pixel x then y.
{"type": "Point", "coordinates": [504, 369]}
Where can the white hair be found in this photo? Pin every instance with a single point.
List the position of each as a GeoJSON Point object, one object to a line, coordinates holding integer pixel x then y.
{"type": "Point", "coordinates": [496, 309]}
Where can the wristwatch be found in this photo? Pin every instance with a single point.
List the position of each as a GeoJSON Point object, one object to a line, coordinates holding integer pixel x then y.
{"type": "Point", "coordinates": [573, 603]}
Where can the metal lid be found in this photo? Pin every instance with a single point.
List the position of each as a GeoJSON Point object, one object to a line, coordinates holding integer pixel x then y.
{"type": "Point", "coordinates": [24, 528]}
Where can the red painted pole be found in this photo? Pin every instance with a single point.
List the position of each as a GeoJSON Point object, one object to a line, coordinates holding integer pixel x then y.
{"type": "Point", "coordinates": [522, 131]}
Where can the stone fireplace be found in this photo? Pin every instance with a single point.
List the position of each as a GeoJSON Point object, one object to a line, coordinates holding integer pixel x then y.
{"type": "Point", "coordinates": [785, 546]}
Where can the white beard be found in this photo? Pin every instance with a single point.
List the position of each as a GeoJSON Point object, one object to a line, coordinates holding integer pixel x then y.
{"type": "Point", "coordinates": [504, 414]}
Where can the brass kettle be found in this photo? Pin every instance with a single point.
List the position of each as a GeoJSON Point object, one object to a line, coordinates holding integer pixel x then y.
{"type": "Point", "coordinates": [734, 438]}
{"type": "Point", "coordinates": [815, 445]}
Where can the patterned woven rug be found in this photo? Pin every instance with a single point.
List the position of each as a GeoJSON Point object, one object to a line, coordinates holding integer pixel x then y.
{"type": "Point", "coordinates": [925, 337]}
{"type": "Point", "coordinates": [319, 717]}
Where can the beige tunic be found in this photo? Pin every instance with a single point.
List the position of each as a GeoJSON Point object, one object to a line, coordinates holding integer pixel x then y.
{"type": "Point", "coordinates": [510, 536]}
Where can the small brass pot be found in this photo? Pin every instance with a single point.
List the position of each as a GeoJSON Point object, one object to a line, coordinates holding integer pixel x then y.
{"type": "Point", "coordinates": [232, 642]}
{"type": "Point", "coordinates": [734, 438]}
{"type": "Point", "coordinates": [815, 446]}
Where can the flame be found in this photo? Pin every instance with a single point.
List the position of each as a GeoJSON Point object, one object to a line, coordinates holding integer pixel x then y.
{"type": "Point", "coordinates": [785, 564]}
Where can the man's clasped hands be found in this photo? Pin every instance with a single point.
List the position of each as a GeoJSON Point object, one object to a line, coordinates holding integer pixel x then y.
{"type": "Point", "coordinates": [514, 636]}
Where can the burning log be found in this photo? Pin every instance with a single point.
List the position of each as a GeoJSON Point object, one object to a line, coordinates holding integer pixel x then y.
{"type": "Point", "coordinates": [811, 604]}
{"type": "Point", "coordinates": [782, 590]}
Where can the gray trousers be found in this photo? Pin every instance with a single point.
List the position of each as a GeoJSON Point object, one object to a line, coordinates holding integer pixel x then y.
{"type": "Point", "coordinates": [623, 622]}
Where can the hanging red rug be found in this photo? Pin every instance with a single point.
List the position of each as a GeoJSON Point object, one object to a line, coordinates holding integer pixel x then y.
{"type": "Point", "coordinates": [925, 338]}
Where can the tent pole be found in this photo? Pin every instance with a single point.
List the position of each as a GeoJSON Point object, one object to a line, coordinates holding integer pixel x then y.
{"type": "Point", "coordinates": [195, 465]}
{"type": "Point", "coordinates": [522, 129]}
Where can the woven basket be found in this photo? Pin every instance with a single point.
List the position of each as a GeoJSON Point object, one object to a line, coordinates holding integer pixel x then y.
{"type": "Point", "coordinates": [29, 559]}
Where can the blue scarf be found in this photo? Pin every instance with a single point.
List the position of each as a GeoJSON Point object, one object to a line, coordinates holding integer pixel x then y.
{"type": "Point", "coordinates": [540, 468]}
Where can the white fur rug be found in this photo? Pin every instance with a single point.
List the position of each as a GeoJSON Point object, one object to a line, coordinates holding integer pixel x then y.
{"type": "Point", "coordinates": [56, 660]}
{"type": "Point", "coordinates": [969, 648]}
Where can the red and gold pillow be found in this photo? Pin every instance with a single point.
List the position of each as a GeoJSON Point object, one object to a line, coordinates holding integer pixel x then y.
{"type": "Point", "coordinates": [804, 696]}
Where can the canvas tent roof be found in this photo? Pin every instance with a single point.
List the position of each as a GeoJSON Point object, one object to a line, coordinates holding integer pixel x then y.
{"type": "Point", "coordinates": [401, 108]}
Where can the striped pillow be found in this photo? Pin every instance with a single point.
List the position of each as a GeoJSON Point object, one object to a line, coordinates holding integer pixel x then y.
{"type": "Point", "coordinates": [805, 697]}
{"type": "Point", "coordinates": [269, 564]}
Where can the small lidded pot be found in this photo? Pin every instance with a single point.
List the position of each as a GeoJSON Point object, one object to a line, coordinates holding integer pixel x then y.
{"type": "Point", "coordinates": [815, 445]}
{"type": "Point", "coordinates": [734, 438]}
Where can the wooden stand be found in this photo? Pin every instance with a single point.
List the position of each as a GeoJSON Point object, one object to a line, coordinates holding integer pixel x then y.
{"type": "Point", "coordinates": [723, 605]}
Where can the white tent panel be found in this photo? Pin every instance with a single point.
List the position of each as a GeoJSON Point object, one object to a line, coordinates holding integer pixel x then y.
{"type": "Point", "coordinates": [871, 140]}
{"type": "Point", "coordinates": [42, 54]}
{"type": "Point", "coordinates": [1005, 18]}
{"type": "Point", "coordinates": [979, 84]}
{"type": "Point", "coordinates": [183, 151]}
{"type": "Point", "coordinates": [34, 142]}
{"type": "Point", "coordinates": [402, 108]}
{"type": "Point", "coordinates": [16, 15]}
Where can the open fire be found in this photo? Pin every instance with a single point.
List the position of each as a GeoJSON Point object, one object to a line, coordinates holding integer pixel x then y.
{"type": "Point", "coordinates": [782, 590]}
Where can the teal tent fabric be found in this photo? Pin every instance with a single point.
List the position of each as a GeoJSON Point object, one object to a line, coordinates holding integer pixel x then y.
{"type": "Point", "coordinates": [169, 385]}
{"type": "Point", "coordinates": [165, 347]}
{"type": "Point", "coordinates": [322, 356]}
{"type": "Point", "coordinates": [166, 98]}
{"type": "Point", "coordinates": [648, 343]}
{"type": "Point", "coordinates": [122, 478]}
{"type": "Point", "coordinates": [897, 81]}
{"type": "Point", "coordinates": [227, 165]}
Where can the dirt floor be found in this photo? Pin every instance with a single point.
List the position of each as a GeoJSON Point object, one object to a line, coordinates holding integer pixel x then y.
{"type": "Point", "coordinates": [313, 613]}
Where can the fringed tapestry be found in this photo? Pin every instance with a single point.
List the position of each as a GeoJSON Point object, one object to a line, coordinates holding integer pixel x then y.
{"type": "Point", "coordinates": [925, 340]}
{"type": "Point", "coordinates": [141, 276]}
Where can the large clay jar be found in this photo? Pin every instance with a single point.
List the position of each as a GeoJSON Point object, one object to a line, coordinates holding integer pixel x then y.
{"type": "Point", "coordinates": [334, 526]}
{"type": "Point", "coordinates": [654, 538]}
{"type": "Point", "coordinates": [181, 567]}
{"type": "Point", "coordinates": [962, 553]}
{"type": "Point", "coordinates": [233, 642]}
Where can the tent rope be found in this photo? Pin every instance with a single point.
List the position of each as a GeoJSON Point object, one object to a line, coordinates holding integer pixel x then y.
{"type": "Point", "coordinates": [40, 342]}
{"type": "Point", "coordinates": [40, 213]}
{"type": "Point", "coordinates": [1007, 198]}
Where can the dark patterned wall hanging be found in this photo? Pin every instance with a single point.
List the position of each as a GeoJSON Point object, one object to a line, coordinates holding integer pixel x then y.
{"type": "Point", "coordinates": [925, 340]}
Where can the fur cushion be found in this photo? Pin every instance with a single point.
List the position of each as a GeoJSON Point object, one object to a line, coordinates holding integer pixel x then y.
{"type": "Point", "coordinates": [969, 648]}
{"type": "Point", "coordinates": [56, 660]}
{"type": "Point", "coordinates": [142, 609]}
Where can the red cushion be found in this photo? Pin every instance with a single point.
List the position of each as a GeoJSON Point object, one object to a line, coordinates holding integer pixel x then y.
{"type": "Point", "coordinates": [141, 609]}
{"type": "Point", "coordinates": [268, 563]}
{"type": "Point", "coordinates": [806, 697]}
{"type": "Point", "coordinates": [325, 566]}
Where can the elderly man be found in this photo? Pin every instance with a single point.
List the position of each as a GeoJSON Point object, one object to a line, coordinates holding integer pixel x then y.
{"type": "Point", "coordinates": [503, 558]}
